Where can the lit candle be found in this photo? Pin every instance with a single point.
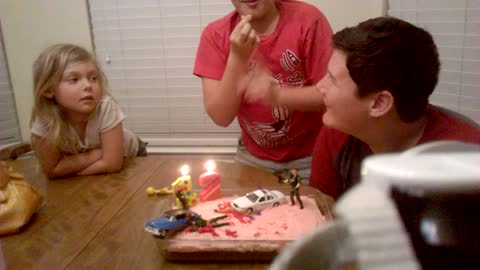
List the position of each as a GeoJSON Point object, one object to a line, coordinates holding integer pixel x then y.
{"type": "Point", "coordinates": [183, 181]}
{"type": "Point", "coordinates": [184, 184]}
{"type": "Point", "coordinates": [211, 182]}
{"type": "Point", "coordinates": [184, 170]}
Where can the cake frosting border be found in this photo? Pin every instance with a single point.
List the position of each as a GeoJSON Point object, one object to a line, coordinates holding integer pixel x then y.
{"type": "Point", "coordinates": [251, 250]}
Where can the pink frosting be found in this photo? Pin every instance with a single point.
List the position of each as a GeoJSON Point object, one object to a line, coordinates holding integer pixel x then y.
{"type": "Point", "coordinates": [284, 222]}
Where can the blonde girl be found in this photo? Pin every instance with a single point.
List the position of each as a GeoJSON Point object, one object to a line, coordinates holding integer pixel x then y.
{"type": "Point", "coordinates": [76, 126]}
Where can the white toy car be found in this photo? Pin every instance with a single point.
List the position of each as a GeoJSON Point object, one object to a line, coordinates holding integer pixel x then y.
{"type": "Point", "coordinates": [258, 200]}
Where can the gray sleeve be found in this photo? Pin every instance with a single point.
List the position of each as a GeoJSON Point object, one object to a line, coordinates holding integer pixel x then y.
{"type": "Point", "coordinates": [110, 114]}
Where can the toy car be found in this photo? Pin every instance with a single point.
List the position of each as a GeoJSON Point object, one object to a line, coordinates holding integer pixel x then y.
{"type": "Point", "coordinates": [258, 200]}
{"type": "Point", "coordinates": [172, 220]}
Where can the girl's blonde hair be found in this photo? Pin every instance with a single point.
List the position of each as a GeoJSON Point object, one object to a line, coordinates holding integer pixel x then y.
{"type": "Point", "coordinates": [48, 70]}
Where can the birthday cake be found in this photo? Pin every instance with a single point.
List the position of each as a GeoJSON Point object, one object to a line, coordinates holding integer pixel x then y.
{"type": "Point", "coordinates": [224, 233]}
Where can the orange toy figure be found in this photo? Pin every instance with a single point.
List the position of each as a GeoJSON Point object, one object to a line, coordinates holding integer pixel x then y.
{"type": "Point", "coordinates": [224, 207]}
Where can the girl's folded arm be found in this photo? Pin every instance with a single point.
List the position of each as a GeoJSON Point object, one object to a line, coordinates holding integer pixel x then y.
{"type": "Point", "coordinates": [112, 153]}
{"type": "Point", "coordinates": [55, 164]}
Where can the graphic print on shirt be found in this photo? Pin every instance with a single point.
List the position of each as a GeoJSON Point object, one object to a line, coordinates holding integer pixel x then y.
{"type": "Point", "coordinates": [297, 79]}
{"type": "Point", "coordinates": [289, 61]}
{"type": "Point", "coordinates": [274, 134]}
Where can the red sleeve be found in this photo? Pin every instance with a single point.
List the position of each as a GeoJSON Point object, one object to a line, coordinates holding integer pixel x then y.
{"type": "Point", "coordinates": [212, 53]}
{"type": "Point", "coordinates": [444, 124]}
{"type": "Point", "coordinates": [318, 49]}
{"type": "Point", "coordinates": [323, 175]}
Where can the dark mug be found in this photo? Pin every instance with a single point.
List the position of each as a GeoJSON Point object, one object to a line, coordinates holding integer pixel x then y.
{"type": "Point", "coordinates": [443, 226]}
{"type": "Point", "coordinates": [414, 210]}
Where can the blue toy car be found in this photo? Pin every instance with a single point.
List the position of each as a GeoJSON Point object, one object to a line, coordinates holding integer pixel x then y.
{"type": "Point", "coordinates": [172, 220]}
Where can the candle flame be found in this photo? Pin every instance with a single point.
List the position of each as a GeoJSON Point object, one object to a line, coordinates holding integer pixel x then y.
{"type": "Point", "coordinates": [185, 169]}
{"type": "Point", "coordinates": [210, 165]}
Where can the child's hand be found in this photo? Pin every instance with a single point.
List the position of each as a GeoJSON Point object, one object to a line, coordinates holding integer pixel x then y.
{"type": "Point", "coordinates": [262, 87]}
{"type": "Point", "coordinates": [243, 39]}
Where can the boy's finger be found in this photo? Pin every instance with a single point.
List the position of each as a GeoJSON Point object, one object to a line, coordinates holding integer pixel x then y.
{"type": "Point", "coordinates": [253, 37]}
{"type": "Point", "coordinates": [246, 30]}
{"type": "Point", "coordinates": [244, 20]}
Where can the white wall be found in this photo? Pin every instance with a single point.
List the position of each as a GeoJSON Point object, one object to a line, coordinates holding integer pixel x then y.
{"type": "Point", "coordinates": [343, 13]}
{"type": "Point", "coordinates": [31, 25]}
{"type": "Point", "coordinates": [28, 27]}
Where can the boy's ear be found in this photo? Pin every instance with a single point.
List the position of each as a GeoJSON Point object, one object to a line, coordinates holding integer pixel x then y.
{"type": "Point", "coordinates": [381, 104]}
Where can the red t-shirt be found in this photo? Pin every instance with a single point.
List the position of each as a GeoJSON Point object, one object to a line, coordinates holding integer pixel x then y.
{"type": "Point", "coordinates": [296, 53]}
{"type": "Point", "coordinates": [337, 156]}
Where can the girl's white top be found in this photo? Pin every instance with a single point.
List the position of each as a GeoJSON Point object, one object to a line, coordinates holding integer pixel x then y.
{"type": "Point", "coordinates": [108, 115]}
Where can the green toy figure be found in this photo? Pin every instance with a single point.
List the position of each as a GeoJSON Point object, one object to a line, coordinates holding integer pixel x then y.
{"type": "Point", "coordinates": [291, 176]}
{"type": "Point", "coordinates": [197, 222]}
{"type": "Point", "coordinates": [182, 198]}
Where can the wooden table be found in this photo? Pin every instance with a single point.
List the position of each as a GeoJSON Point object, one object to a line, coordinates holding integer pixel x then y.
{"type": "Point", "coordinates": [96, 222]}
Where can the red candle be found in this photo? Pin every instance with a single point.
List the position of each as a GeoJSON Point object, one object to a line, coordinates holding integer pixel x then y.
{"type": "Point", "coordinates": [211, 182]}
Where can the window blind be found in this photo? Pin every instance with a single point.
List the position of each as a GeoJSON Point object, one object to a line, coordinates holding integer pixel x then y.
{"type": "Point", "coordinates": [9, 130]}
{"type": "Point", "coordinates": [455, 26]}
{"type": "Point", "coordinates": [147, 49]}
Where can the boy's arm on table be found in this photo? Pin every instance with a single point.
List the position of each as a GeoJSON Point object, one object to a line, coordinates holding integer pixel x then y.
{"type": "Point", "coordinates": [55, 164]}
{"type": "Point", "coordinates": [111, 159]}
{"type": "Point", "coordinates": [222, 98]}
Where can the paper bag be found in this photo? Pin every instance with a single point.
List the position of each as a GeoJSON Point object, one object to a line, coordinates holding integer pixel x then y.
{"type": "Point", "coordinates": [18, 201]}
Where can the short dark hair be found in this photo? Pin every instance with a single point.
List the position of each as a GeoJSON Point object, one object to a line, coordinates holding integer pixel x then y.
{"type": "Point", "coordinates": [390, 54]}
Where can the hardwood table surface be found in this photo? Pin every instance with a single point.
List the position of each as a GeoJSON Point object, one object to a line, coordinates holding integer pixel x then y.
{"type": "Point", "coordinates": [96, 222]}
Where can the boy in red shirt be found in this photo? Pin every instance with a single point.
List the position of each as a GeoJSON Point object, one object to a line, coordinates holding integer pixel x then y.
{"type": "Point", "coordinates": [376, 93]}
{"type": "Point", "coordinates": [291, 40]}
